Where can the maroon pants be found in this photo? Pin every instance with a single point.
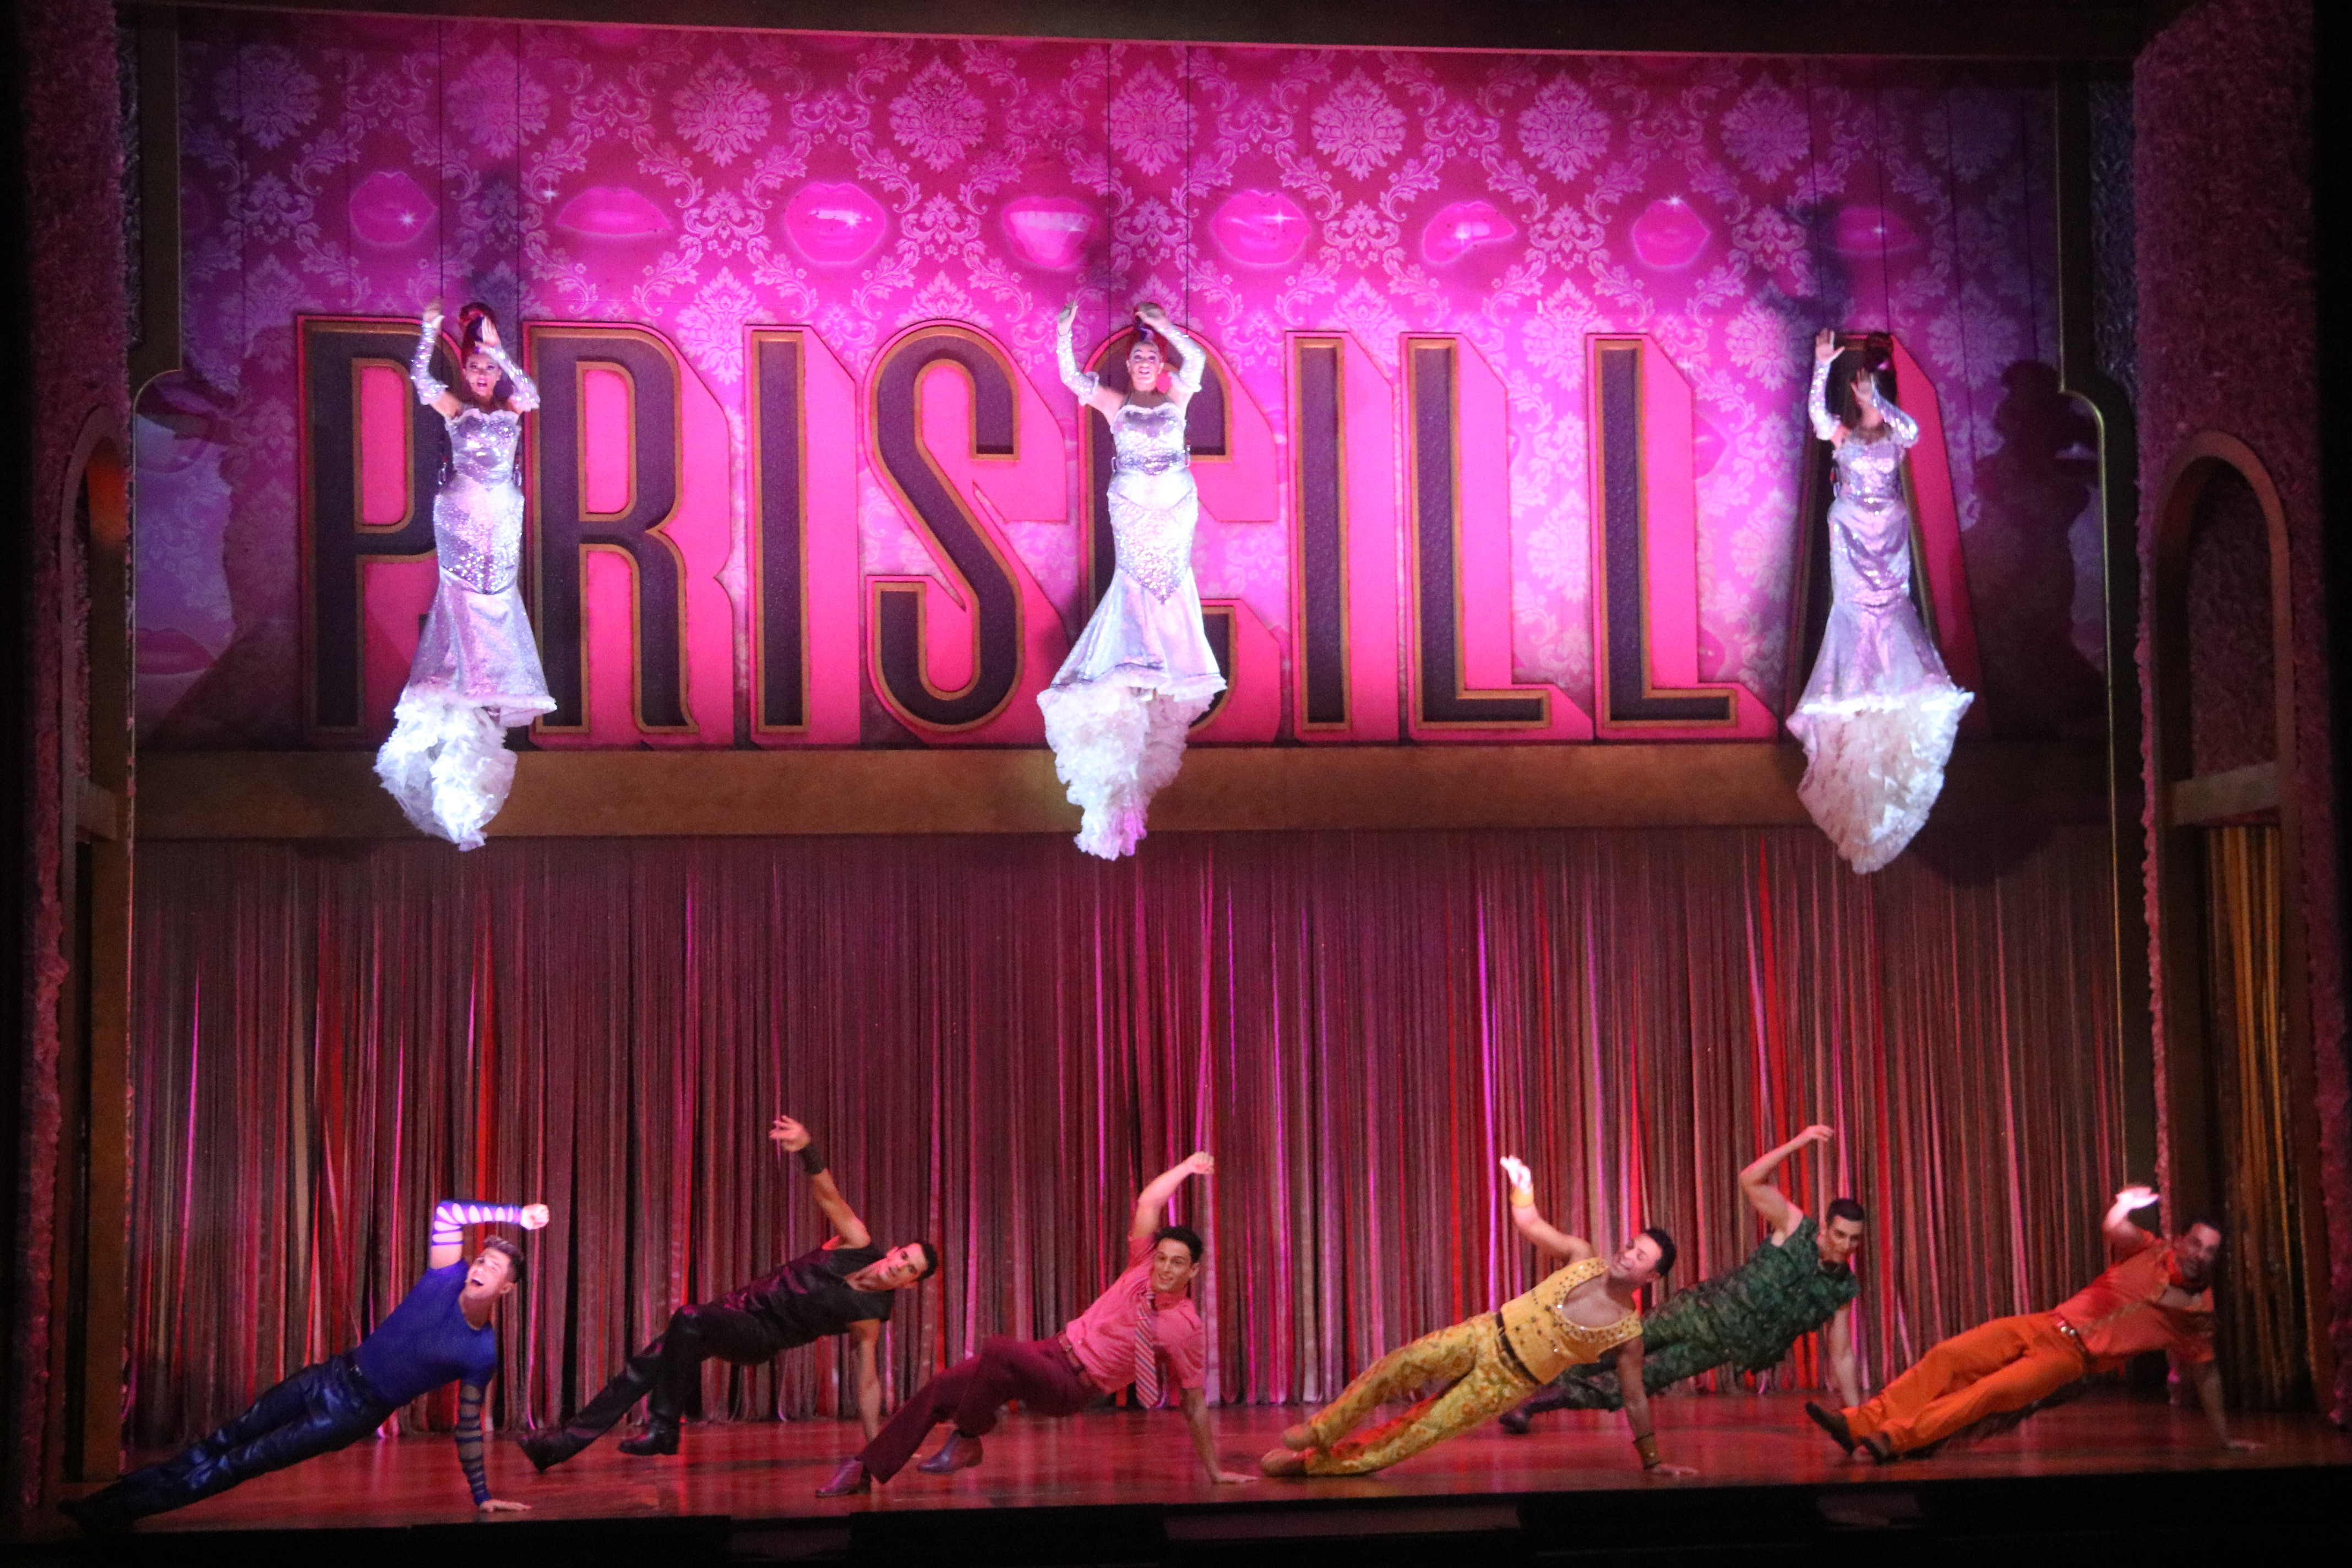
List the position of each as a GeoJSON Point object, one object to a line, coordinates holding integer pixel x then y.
{"type": "Point", "coordinates": [1036, 1372]}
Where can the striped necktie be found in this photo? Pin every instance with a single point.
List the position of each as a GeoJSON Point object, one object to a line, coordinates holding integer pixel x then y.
{"type": "Point", "coordinates": [1147, 1351]}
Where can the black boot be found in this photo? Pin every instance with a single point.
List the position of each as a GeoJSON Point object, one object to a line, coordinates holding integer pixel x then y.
{"type": "Point", "coordinates": [95, 1514]}
{"type": "Point", "coordinates": [661, 1438]}
{"type": "Point", "coordinates": [550, 1446]}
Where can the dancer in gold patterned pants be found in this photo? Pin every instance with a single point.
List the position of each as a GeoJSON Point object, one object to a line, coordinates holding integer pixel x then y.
{"type": "Point", "coordinates": [1490, 1362]}
{"type": "Point", "coordinates": [1485, 1380]}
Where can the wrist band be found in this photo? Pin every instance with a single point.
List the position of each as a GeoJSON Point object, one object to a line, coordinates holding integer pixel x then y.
{"type": "Point", "coordinates": [810, 1161]}
{"type": "Point", "coordinates": [1647, 1447]}
{"type": "Point", "coordinates": [1522, 1199]}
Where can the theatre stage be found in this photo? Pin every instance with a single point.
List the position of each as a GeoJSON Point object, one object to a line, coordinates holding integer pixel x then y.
{"type": "Point", "coordinates": [1121, 1487]}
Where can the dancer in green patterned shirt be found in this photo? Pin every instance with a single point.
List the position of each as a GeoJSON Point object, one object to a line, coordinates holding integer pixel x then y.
{"type": "Point", "coordinates": [1797, 1280]}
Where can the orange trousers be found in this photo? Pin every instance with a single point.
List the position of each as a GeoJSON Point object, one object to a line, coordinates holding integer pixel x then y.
{"type": "Point", "coordinates": [2003, 1365]}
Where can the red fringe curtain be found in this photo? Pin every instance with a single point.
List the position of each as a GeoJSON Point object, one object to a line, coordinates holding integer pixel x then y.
{"type": "Point", "coordinates": [997, 1040]}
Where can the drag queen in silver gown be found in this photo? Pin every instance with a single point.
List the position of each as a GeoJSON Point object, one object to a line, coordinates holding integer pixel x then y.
{"type": "Point", "coordinates": [476, 672]}
{"type": "Point", "coordinates": [1879, 713]}
{"type": "Point", "coordinates": [1119, 710]}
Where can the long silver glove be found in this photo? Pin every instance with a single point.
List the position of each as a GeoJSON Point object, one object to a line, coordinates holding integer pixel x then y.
{"type": "Point", "coordinates": [1085, 383]}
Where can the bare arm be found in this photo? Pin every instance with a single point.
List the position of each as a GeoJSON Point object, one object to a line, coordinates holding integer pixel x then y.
{"type": "Point", "coordinates": [452, 1215]}
{"type": "Point", "coordinates": [1769, 1201]}
{"type": "Point", "coordinates": [2206, 1375]}
{"type": "Point", "coordinates": [1196, 1416]}
{"type": "Point", "coordinates": [867, 1336]}
{"type": "Point", "coordinates": [1637, 1410]}
{"type": "Point", "coordinates": [1842, 1370]}
{"type": "Point", "coordinates": [1152, 1201]}
{"type": "Point", "coordinates": [1531, 1224]}
{"type": "Point", "coordinates": [849, 1230]}
{"type": "Point", "coordinates": [2124, 1239]}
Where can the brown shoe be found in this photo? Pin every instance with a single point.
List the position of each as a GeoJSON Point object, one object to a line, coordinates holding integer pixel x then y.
{"type": "Point", "coordinates": [960, 1452]}
{"type": "Point", "coordinates": [1834, 1422]}
{"type": "Point", "coordinates": [849, 1479]}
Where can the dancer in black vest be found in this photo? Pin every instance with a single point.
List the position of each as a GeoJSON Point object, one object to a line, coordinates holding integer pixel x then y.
{"type": "Point", "coordinates": [845, 1287]}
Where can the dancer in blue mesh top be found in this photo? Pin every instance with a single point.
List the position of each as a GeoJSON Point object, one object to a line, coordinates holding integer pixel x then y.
{"type": "Point", "coordinates": [442, 1330]}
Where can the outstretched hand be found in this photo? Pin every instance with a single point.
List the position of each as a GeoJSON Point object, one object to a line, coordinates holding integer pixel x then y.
{"type": "Point", "coordinates": [1234, 1478]}
{"type": "Point", "coordinates": [1150, 314]}
{"type": "Point", "coordinates": [1672, 1470]}
{"type": "Point", "coordinates": [789, 1133]}
{"type": "Point", "coordinates": [501, 1505]}
{"type": "Point", "coordinates": [535, 1216]}
{"type": "Point", "coordinates": [1068, 314]}
{"type": "Point", "coordinates": [1825, 345]}
{"type": "Point", "coordinates": [490, 336]}
{"type": "Point", "coordinates": [1516, 1169]}
{"type": "Point", "coordinates": [2137, 1197]}
{"type": "Point", "coordinates": [1199, 1164]}
{"type": "Point", "coordinates": [1817, 1133]}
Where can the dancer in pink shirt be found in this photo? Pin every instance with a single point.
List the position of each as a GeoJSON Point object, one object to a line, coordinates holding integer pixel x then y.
{"type": "Point", "coordinates": [1142, 1331]}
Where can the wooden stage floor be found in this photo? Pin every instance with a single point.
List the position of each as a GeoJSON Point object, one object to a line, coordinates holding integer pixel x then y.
{"type": "Point", "coordinates": [763, 1472]}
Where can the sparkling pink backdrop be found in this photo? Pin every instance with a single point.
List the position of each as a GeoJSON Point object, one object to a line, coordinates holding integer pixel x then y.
{"type": "Point", "coordinates": [699, 181]}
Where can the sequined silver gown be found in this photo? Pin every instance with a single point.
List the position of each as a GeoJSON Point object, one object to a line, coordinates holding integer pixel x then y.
{"type": "Point", "coordinates": [477, 671]}
{"type": "Point", "coordinates": [1119, 710]}
{"type": "Point", "coordinates": [1879, 711]}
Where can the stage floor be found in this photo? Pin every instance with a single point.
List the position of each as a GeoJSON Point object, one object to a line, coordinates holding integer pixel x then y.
{"type": "Point", "coordinates": [763, 1472]}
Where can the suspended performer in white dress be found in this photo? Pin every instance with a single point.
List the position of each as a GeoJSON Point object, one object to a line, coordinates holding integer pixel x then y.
{"type": "Point", "coordinates": [1879, 713]}
{"type": "Point", "coordinates": [476, 672]}
{"type": "Point", "coordinates": [1118, 712]}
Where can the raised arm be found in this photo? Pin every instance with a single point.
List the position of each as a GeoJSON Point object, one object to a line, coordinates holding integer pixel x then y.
{"type": "Point", "coordinates": [2124, 1239]}
{"type": "Point", "coordinates": [452, 1215]}
{"type": "Point", "coordinates": [1769, 1201]}
{"type": "Point", "coordinates": [849, 1230]}
{"type": "Point", "coordinates": [431, 393]}
{"type": "Point", "coordinates": [1817, 398]}
{"type": "Point", "coordinates": [1637, 1410]}
{"type": "Point", "coordinates": [526, 392]}
{"type": "Point", "coordinates": [1085, 383]}
{"type": "Point", "coordinates": [1152, 1201]}
{"type": "Point", "coordinates": [1191, 365]}
{"type": "Point", "coordinates": [1532, 1224]}
{"type": "Point", "coordinates": [1905, 428]}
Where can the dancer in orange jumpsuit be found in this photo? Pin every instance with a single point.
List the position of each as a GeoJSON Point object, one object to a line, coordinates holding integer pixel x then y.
{"type": "Point", "coordinates": [2156, 1295]}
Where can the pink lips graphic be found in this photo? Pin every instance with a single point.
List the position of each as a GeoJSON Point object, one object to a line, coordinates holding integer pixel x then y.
{"type": "Point", "coordinates": [1261, 229]}
{"type": "Point", "coordinates": [834, 222]}
{"type": "Point", "coordinates": [1463, 227]}
{"type": "Point", "coordinates": [1051, 231]}
{"type": "Point", "coordinates": [389, 210]}
{"type": "Point", "coordinates": [1668, 236]}
{"type": "Point", "coordinates": [612, 212]}
{"type": "Point", "coordinates": [1871, 231]}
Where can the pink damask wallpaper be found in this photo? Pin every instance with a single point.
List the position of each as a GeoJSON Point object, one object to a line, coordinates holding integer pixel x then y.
{"type": "Point", "coordinates": [699, 181]}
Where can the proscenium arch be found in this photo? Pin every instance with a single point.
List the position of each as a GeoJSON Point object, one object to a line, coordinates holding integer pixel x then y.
{"type": "Point", "coordinates": [2188, 1176]}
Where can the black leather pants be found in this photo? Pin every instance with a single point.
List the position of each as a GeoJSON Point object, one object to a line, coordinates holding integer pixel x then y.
{"type": "Point", "coordinates": [318, 1410]}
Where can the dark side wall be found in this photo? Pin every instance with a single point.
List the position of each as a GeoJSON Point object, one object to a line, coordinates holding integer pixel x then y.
{"type": "Point", "coordinates": [64, 284]}
{"type": "Point", "coordinates": [2228, 336]}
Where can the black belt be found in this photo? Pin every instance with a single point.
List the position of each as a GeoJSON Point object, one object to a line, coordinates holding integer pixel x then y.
{"type": "Point", "coordinates": [1510, 1352]}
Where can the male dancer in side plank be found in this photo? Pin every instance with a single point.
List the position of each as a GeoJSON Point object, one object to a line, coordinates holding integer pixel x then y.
{"type": "Point", "coordinates": [1492, 1362]}
{"type": "Point", "coordinates": [2154, 1296]}
{"type": "Point", "coordinates": [1143, 1326]}
{"type": "Point", "coordinates": [845, 1287]}
{"type": "Point", "coordinates": [441, 1330]}
{"type": "Point", "coordinates": [1796, 1281]}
